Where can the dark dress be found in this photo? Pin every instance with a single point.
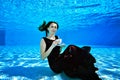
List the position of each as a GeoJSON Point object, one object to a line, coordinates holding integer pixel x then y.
{"type": "Point", "coordinates": [75, 62]}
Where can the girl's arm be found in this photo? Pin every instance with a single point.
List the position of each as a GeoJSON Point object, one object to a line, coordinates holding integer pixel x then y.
{"type": "Point", "coordinates": [44, 53]}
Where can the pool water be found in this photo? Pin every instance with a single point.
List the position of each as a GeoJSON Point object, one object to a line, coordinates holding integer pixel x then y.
{"type": "Point", "coordinates": [81, 22]}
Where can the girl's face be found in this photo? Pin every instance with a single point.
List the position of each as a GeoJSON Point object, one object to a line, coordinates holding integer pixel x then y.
{"type": "Point", "coordinates": [52, 28]}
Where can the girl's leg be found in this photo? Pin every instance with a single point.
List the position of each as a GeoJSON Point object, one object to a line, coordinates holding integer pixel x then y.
{"type": "Point", "coordinates": [74, 57]}
{"type": "Point", "coordinates": [70, 64]}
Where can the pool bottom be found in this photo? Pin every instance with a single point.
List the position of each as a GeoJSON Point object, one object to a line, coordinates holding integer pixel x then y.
{"type": "Point", "coordinates": [24, 63]}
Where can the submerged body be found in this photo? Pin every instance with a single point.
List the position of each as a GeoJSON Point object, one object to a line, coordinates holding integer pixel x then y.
{"type": "Point", "coordinates": [74, 61]}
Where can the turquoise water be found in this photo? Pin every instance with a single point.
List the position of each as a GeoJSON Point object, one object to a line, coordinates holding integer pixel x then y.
{"type": "Point", "coordinates": [82, 22]}
{"type": "Point", "coordinates": [24, 63]}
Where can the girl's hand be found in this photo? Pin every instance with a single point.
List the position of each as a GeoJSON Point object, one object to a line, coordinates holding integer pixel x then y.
{"type": "Point", "coordinates": [62, 45]}
{"type": "Point", "coordinates": [59, 41]}
{"type": "Point", "coordinates": [56, 42]}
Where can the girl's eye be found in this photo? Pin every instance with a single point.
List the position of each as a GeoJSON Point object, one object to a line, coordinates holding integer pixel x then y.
{"type": "Point", "coordinates": [53, 27]}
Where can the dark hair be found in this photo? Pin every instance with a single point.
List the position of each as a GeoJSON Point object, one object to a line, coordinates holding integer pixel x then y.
{"type": "Point", "coordinates": [44, 26]}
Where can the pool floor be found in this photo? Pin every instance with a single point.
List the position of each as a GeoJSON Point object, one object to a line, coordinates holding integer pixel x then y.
{"type": "Point", "coordinates": [24, 63]}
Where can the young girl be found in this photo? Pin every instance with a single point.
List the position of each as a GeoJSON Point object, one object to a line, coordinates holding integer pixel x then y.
{"type": "Point", "coordinates": [75, 62]}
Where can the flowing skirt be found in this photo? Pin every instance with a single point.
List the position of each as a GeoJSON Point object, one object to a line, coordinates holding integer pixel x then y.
{"type": "Point", "coordinates": [76, 62]}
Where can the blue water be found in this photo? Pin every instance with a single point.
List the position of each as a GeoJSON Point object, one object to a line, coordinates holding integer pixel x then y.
{"type": "Point", "coordinates": [92, 22]}
{"type": "Point", "coordinates": [82, 22]}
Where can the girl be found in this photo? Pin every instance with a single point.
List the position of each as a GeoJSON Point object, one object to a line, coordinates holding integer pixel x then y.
{"type": "Point", "coordinates": [74, 61]}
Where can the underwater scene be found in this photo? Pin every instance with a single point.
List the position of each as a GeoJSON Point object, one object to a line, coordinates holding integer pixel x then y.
{"type": "Point", "coordinates": [94, 23]}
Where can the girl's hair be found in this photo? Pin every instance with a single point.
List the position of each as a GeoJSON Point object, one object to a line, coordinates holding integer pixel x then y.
{"type": "Point", "coordinates": [44, 26]}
